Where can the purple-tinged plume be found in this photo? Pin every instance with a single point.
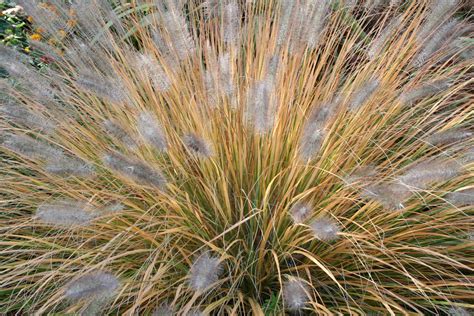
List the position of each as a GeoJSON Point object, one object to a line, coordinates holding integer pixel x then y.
{"type": "Point", "coordinates": [461, 198]}
{"type": "Point", "coordinates": [198, 145]}
{"type": "Point", "coordinates": [424, 90]}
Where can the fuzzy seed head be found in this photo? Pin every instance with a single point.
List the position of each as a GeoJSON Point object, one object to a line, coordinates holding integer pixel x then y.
{"type": "Point", "coordinates": [65, 213]}
{"type": "Point", "coordinates": [63, 166]}
{"type": "Point", "coordinates": [114, 129]}
{"type": "Point", "coordinates": [325, 229]}
{"type": "Point", "coordinates": [461, 198]}
{"type": "Point", "coordinates": [197, 145]}
{"type": "Point", "coordinates": [458, 311]}
{"type": "Point", "coordinates": [151, 131]}
{"type": "Point", "coordinates": [135, 170]}
{"type": "Point", "coordinates": [260, 112]}
{"type": "Point", "coordinates": [423, 91]}
{"type": "Point", "coordinates": [149, 66]}
{"type": "Point", "coordinates": [425, 173]}
{"type": "Point", "coordinates": [295, 294]}
{"type": "Point", "coordinates": [29, 147]}
{"type": "Point", "coordinates": [300, 211]}
{"type": "Point", "coordinates": [204, 272]}
{"type": "Point", "coordinates": [363, 94]}
{"type": "Point", "coordinates": [164, 310]}
{"type": "Point", "coordinates": [97, 285]}
{"type": "Point", "coordinates": [449, 137]}
{"type": "Point", "coordinates": [390, 195]}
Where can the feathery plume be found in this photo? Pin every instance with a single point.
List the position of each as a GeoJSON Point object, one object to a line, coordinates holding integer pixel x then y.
{"type": "Point", "coordinates": [424, 173]}
{"type": "Point", "coordinates": [439, 10]}
{"type": "Point", "coordinates": [449, 137]}
{"type": "Point", "coordinates": [284, 23]}
{"type": "Point", "coordinates": [378, 43]}
{"type": "Point", "coordinates": [424, 90]}
{"type": "Point", "coordinates": [181, 40]}
{"type": "Point", "coordinates": [198, 145]}
{"type": "Point", "coordinates": [151, 131]}
{"type": "Point", "coordinates": [204, 272]}
{"type": "Point", "coordinates": [318, 13]}
{"type": "Point", "coordinates": [30, 80]}
{"type": "Point", "coordinates": [116, 131]}
{"type": "Point", "coordinates": [231, 27]}
{"type": "Point", "coordinates": [63, 165]}
{"type": "Point", "coordinates": [149, 66]}
{"type": "Point", "coordinates": [361, 173]}
{"type": "Point", "coordinates": [102, 87]}
{"type": "Point", "coordinates": [211, 8]}
{"type": "Point", "coordinates": [164, 310]}
{"type": "Point", "coordinates": [135, 170]}
{"type": "Point", "coordinates": [435, 42]}
{"type": "Point", "coordinates": [195, 312]}
{"type": "Point", "coordinates": [295, 294]}
{"type": "Point", "coordinates": [218, 78]}
{"type": "Point", "coordinates": [51, 21]}
{"type": "Point", "coordinates": [96, 285]}
{"type": "Point", "coordinates": [314, 130]}
{"type": "Point", "coordinates": [325, 229]}
{"type": "Point", "coordinates": [21, 116]}
{"type": "Point", "coordinates": [29, 147]}
{"type": "Point", "coordinates": [360, 96]}
{"type": "Point", "coordinates": [56, 161]}
{"type": "Point", "coordinates": [260, 113]}
{"type": "Point", "coordinates": [66, 213]}
{"type": "Point", "coordinates": [461, 198]}
{"type": "Point", "coordinates": [300, 211]}
{"type": "Point", "coordinates": [390, 195]}
{"type": "Point", "coordinates": [458, 311]}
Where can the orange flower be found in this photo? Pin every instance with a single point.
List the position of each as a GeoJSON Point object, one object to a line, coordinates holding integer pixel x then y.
{"type": "Point", "coordinates": [62, 33]}
{"type": "Point", "coordinates": [35, 37]}
{"type": "Point", "coordinates": [30, 19]}
{"type": "Point", "coordinates": [40, 30]}
{"type": "Point", "coordinates": [71, 23]}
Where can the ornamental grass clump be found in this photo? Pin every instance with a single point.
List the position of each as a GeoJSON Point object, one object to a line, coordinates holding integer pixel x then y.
{"type": "Point", "coordinates": [239, 158]}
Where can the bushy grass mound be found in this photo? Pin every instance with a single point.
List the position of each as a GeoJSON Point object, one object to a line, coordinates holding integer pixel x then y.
{"type": "Point", "coordinates": [239, 158]}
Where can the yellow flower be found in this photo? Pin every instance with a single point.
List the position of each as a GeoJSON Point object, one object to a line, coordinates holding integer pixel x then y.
{"type": "Point", "coordinates": [62, 33]}
{"type": "Point", "coordinates": [27, 49]}
{"type": "Point", "coordinates": [30, 19]}
{"type": "Point", "coordinates": [35, 37]}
